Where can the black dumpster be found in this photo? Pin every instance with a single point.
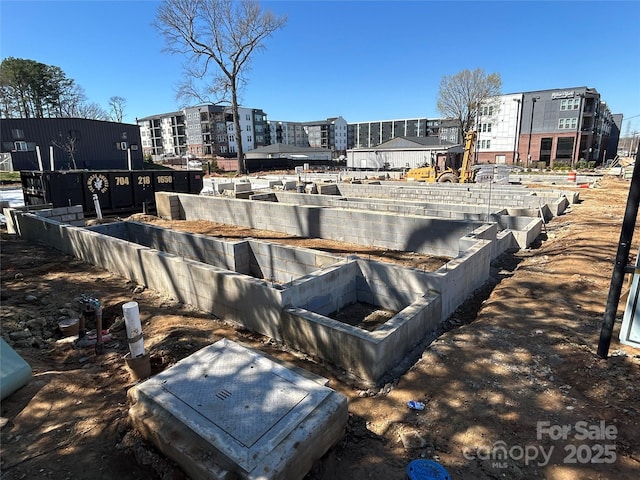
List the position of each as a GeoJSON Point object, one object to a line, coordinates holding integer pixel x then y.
{"type": "Point", "coordinates": [118, 191]}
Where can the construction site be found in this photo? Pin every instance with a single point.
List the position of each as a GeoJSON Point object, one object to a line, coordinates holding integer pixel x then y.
{"type": "Point", "coordinates": [287, 330]}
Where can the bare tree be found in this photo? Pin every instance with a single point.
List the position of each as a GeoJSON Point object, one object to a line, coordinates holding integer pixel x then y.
{"type": "Point", "coordinates": [460, 96]}
{"type": "Point", "coordinates": [116, 106]}
{"type": "Point", "coordinates": [220, 38]}
{"type": "Point", "coordinates": [67, 143]}
{"type": "Point", "coordinates": [92, 111]}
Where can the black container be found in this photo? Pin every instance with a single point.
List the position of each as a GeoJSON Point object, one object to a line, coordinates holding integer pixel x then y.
{"type": "Point", "coordinates": [118, 191]}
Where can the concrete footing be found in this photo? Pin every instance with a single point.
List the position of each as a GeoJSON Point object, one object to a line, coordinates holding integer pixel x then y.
{"type": "Point", "coordinates": [229, 412]}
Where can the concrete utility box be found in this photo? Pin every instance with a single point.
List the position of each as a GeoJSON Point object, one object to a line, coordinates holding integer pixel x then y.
{"type": "Point", "coordinates": [229, 412]}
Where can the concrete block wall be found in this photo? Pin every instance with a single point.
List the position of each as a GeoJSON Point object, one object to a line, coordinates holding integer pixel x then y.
{"type": "Point", "coordinates": [463, 275]}
{"type": "Point", "coordinates": [168, 207]}
{"type": "Point", "coordinates": [230, 295]}
{"type": "Point", "coordinates": [261, 308]}
{"type": "Point", "coordinates": [474, 194]}
{"type": "Point", "coordinates": [391, 286]}
{"type": "Point", "coordinates": [115, 229]}
{"type": "Point", "coordinates": [324, 292]}
{"type": "Point", "coordinates": [263, 260]}
{"type": "Point", "coordinates": [412, 233]}
{"type": "Point", "coordinates": [366, 356]}
{"type": "Point", "coordinates": [284, 264]}
{"type": "Point", "coordinates": [232, 256]}
{"type": "Point", "coordinates": [72, 215]}
{"type": "Point", "coordinates": [475, 213]}
{"type": "Point", "coordinates": [328, 189]}
{"type": "Point", "coordinates": [524, 229]}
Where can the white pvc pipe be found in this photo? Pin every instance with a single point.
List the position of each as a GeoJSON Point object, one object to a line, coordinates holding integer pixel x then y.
{"type": "Point", "coordinates": [51, 161]}
{"type": "Point", "coordinates": [96, 203]}
{"type": "Point", "coordinates": [39, 158]}
{"type": "Point", "coordinates": [134, 329]}
{"type": "Point", "coordinates": [129, 159]}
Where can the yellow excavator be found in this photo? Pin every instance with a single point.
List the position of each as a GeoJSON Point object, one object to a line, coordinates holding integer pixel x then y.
{"type": "Point", "coordinates": [432, 174]}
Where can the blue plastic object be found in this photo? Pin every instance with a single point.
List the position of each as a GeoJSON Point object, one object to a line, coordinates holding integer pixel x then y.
{"type": "Point", "coordinates": [14, 371]}
{"type": "Point", "coordinates": [422, 469]}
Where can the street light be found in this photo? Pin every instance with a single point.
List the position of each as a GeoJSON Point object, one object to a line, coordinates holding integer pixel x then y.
{"type": "Point", "coordinates": [515, 137]}
{"type": "Point", "coordinates": [533, 107]}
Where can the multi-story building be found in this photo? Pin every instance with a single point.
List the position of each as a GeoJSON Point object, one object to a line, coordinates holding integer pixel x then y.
{"type": "Point", "coordinates": [206, 130]}
{"type": "Point", "coordinates": [202, 130]}
{"type": "Point", "coordinates": [550, 127]}
{"type": "Point", "coordinates": [330, 134]}
{"type": "Point", "coordinates": [253, 129]}
{"type": "Point", "coordinates": [163, 133]}
{"type": "Point", "coordinates": [373, 133]}
{"type": "Point", "coordinates": [287, 133]}
{"type": "Point", "coordinates": [449, 131]}
{"type": "Point", "coordinates": [497, 124]}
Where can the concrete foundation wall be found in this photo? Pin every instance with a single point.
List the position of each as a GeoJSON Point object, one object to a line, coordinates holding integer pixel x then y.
{"type": "Point", "coordinates": [410, 233]}
{"type": "Point", "coordinates": [473, 194]}
{"type": "Point", "coordinates": [324, 292]}
{"type": "Point", "coordinates": [365, 355]}
{"type": "Point", "coordinates": [209, 288]}
{"type": "Point", "coordinates": [232, 256]}
{"type": "Point", "coordinates": [264, 260]}
{"type": "Point", "coordinates": [72, 215]}
{"type": "Point", "coordinates": [283, 264]}
{"type": "Point", "coordinates": [293, 313]}
{"type": "Point", "coordinates": [463, 275]}
{"type": "Point", "coordinates": [525, 228]}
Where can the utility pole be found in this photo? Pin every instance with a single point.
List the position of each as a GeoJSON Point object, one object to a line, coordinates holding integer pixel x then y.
{"type": "Point", "coordinates": [533, 108]}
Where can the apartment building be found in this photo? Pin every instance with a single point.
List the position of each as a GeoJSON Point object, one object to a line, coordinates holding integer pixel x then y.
{"type": "Point", "coordinates": [287, 133]}
{"type": "Point", "coordinates": [203, 130]}
{"type": "Point", "coordinates": [330, 134]}
{"type": "Point", "coordinates": [163, 134]}
{"type": "Point", "coordinates": [547, 128]}
{"type": "Point", "coordinates": [373, 133]}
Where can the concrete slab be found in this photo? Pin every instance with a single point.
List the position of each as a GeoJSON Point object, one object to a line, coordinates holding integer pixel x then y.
{"type": "Point", "coordinates": [230, 412]}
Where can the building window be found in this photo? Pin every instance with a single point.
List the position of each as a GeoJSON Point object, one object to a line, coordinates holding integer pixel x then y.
{"type": "Point", "coordinates": [567, 123]}
{"type": "Point", "coordinates": [564, 149]}
{"type": "Point", "coordinates": [17, 134]}
{"type": "Point", "coordinates": [488, 111]}
{"type": "Point", "coordinates": [20, 146]}
{"type": "Point", "coordinates": [489, 142]}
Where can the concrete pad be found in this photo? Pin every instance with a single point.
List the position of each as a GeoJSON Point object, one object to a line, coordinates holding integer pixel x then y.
{"type": "Point", "coordinates": [229, 412]}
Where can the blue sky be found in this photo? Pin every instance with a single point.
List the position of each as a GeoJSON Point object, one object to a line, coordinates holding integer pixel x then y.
{"type": "Point", "coordinates": [363, 60]}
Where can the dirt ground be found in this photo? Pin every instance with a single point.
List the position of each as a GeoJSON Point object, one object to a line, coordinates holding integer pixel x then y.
{"type": "Point", "coordinates": [513, 369]}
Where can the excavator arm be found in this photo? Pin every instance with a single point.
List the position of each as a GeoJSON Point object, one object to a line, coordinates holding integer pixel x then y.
{"type": "Point", "coordinates": [466, 173]}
